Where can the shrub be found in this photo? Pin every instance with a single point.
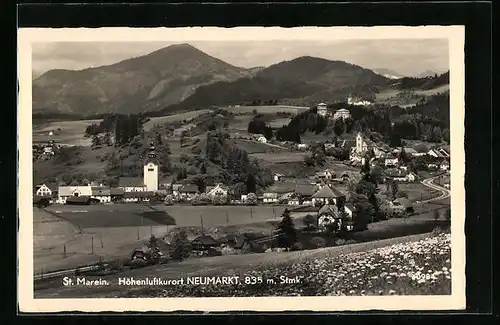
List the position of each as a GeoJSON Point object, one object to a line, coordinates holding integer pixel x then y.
{"type": "Point", "coordinates": [318, 242]}
{"type": "Point", "coordinates": [169, 200]}
{"type": "Point", "coordinates": [309, 221]}
{"type": "Point", "coordinates": [251, 199]}
{"type": "Point", "coordinates": [219, 199]}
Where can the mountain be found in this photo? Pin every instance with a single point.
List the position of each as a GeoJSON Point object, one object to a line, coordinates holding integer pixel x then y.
{"type": "Point", "coordinates": [302, 81]}
{"type": "Point", "coordinates": [388, 73]}
{"type": "Point", "coordinates": [146, 83]}
{"type": "Point", "coordinates": [428, 73]}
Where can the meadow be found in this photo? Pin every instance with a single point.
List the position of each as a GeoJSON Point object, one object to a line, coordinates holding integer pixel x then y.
{"type": "Point", "coordinates": [267, 109]}
{"type": "Point", "coordinates": [413, 265]}
{"type": "Point", "coordinates": [69, 133]}
{"type": "Point", "coordinates": [282, 157]}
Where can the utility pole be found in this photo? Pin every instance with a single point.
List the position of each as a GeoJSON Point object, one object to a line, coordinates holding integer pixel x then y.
{"type": "Point", "coordinates": [92, 244]}
{"type": "Point", "coordinates": [227, 217]}
{"type": "Point", "coordinates": [201, 223]}
{"type": "Point", "coordinates": [251, 212]}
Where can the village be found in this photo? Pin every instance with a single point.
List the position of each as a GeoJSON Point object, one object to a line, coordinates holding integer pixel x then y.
{"type": "Point", "coordinates": [326, 187]}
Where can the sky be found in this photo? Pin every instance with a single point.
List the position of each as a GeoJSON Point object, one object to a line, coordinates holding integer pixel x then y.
{"type": "Point", "coordinates": [408, 57]}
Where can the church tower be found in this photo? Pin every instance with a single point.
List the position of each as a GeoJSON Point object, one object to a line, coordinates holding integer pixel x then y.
{"type": "Point", "coordinates": [151, 170]}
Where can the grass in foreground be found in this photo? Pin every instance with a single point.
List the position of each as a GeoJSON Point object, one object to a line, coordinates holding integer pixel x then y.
{"type": "Point", "coordinates": [415, 268]}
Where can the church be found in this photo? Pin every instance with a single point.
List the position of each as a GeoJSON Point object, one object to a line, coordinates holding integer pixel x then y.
{"type": "Point", "coordinates": [151, 170]}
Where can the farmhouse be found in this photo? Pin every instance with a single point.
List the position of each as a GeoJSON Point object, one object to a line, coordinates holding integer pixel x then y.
{"type": "Point", "coordinates": [203, 243]}
{"type": "Point", "coordinates": [101, 193]}
{"type": "Point", "coordinates": [134, 197]}
{"type": "Point", "coordinates": [302, 146]}
{"type": "Point", "coordinates": [403, 204]}
{"type": "Point", "coordinates": [175, 189]}
{"type": "Point", "coordinates": [278, 177]}
{"type": "Point", "coordinates": [408, 151]}
{"type": "Point", "coordinates": [259, 137]}
{"type": "Point", "coordinates": [329, 214]}
{"type": "Point", "coordinates": [445, 165]}
{"type": "Point", "coordinates": [188, 190]}
{"type": "Point", "coordinates": [274, 193]}
{"type": "Point", "coordinates": [400, 175]}
{"type": "Point", "coordinates": [304, 193]}
{"type": "Point", "coordinates": [65, 192]}
{"type": "Point", "coordinates": [391, 162]}
{"type": "Point", "coordinates": [132, 184]}
{"type": "Point", "coordinates": [47, 189]}
{"type": "Point", "coordinates": [322, 109]}
{"type": "Point", "coordinates": [218, 189]}
{"type": "Point", "coordinates": [349, 209]}
{"type": "Point", "coordinates": [327, 195]}
{"type": "Point", "coordinates": [326, 174]}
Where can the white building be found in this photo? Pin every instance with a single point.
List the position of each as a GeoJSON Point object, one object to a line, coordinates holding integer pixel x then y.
{"type": "Point", "coordinates": [262, 139]}
{"type": "Point", "coordinates": [322, 110]}
{"type": "Point", "coordinates": [151, 176]}
{"type": "Point", "coordinates": [65, 192]}
{"type": "Point", "coordinates": [342, 114]}
{"type": "Point", "coordinates": [363, 145]}
{"type": "Point", "coordinates": [218, 189]}
{"type": "Point", "coordinates": [43, 190]}
{"type": "Point", "coordinates": [357, 102]}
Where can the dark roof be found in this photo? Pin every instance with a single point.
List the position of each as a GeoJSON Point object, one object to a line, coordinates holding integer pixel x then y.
{"type": "Point", "coordinates": [130, 182]}
{"type": "Point", "coordinates": [246, 237]}
{"type": "Point", "coordinates": [328, 192]}
{"type": "Point", "coordinates": [97, 190]}
{"type": "Point", "coordinates": [204, 240]}
{"type": "Point", "coordinates": [116, 191]}
{"type": "Point", "coordinates": [350, 206]}
{"type": "Point", "coordinates": [395, 173]}
{"type": "Point", "coordinates": [138, 194]}
{"type": "Point", "coordinates": [404, 202]}
{"type": "Point", "coordinates": [189, 188]}
{"type": "Point", "coordinates": [328, 208]}
{"type": "Point", "coordinates": [78, 199]}
{"type": "Point", "coordinates": [305, 190]}
{"type": "Point", "coordinates": [280, 188]}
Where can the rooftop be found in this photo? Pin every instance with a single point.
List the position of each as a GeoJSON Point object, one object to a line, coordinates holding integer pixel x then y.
{"type": "Point", "coordinates": [131, 182]}
{"type": "Point", "coordinates": [328, 192]}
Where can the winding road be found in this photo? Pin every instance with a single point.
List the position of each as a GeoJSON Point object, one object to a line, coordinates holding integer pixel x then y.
{"type": "Point", "coordinates": [445, 193]}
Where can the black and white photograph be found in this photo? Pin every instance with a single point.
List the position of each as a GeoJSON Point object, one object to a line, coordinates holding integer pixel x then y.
{"type": "Point", "coordinates": [266, 169]}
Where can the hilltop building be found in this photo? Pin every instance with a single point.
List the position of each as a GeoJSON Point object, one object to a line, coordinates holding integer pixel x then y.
{"type": "Point", "coordinates": [342, 113]}
{"type": "Point", "coordinates": [357, 101]}
{"type": "Point", "coordinates": [322, 110]}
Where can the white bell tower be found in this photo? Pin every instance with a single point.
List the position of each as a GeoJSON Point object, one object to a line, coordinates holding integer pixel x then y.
{"type": "Point", "coordinates": [151, 171]}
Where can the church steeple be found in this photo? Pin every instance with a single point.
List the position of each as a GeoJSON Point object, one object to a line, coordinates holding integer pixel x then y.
{"type": "Point", "coordinates": [152, 152]}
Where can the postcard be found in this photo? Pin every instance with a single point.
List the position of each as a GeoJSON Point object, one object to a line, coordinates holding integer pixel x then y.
{"type": "Point", "coordinates": [241, 169]}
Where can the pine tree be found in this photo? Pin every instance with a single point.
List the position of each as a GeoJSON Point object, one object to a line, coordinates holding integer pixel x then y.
{"type": "Point", "coordinates": [288, 233]}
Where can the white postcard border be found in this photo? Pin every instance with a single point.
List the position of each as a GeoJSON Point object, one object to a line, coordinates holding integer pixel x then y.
{"type": "Point", "coordinates": [455, 301]}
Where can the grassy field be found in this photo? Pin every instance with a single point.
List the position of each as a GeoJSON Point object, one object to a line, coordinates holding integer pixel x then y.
{"type": "Point", "coordinates": [415, 191]}
{"type": "Point", "coordinates": [70, 133]}
{"type": "Point", "coordinates": [252, 147]}
{"type": "Point", "coordinates": [110, 231]}
{"type": "Point", "coordinates": [173, 118]}
{"type": "Point", "coordinates": [391, 93]}
{"type": "Point", "coordinates": [267, 109]}
{"type": "Point", "coordinates": [279, 122]}
{"type": "Point", "coordinates": [282, 157]}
